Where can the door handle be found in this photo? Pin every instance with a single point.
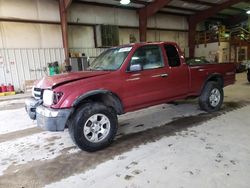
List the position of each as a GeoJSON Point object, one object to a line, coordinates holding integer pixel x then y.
{"type": "Point", "coordinates": [164, 75]}
{"type": "Point", "coordinates": [200, 70]}
{"type": "Point", "coordinates": [160, 75]}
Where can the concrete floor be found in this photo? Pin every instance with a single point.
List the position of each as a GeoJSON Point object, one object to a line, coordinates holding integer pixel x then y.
{"type": "Point", "coordinates": [162, 146]}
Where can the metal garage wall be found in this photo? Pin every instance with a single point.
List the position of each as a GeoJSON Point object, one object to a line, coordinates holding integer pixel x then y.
{"type": "Point", "coordinates": [18, 65]}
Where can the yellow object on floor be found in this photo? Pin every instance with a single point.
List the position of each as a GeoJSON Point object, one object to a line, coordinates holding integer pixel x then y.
{"type": "Point", "coordinates": [8, 93]}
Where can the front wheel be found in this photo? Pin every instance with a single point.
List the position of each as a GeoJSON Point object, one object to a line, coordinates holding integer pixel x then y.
{"type": "Point", "coordinates": [93, 126]}
{"type": "Point", "coordinates": [211, 97]}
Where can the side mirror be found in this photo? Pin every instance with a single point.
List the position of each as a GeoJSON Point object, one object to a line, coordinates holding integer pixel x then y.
{"type": "Point", "coordinates": [135, 68]}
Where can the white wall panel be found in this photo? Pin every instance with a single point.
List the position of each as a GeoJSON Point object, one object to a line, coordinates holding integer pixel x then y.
{"type": "Point", "coordinates": [179, 37]}
{"type": "Point", "coordinates": [91, 14]}
{"type": "Point", "coordinates": [21, 35]}
{"type": "Point", "coordinates": [81, 37]}
{"type": "Point", "coordinates": [51, 36]}
{"type": "Point", "coordinates": [153, 35]}
{"type": "Point", "coordinates": [105, 15]}
{"type": "Point", "coordinates": [124, 35]}
{"type": "Point", "coordinates": [26, 64]}
{"type": "Point", "coordinates": [25, 9]}
{"type": "Point", "coordinates": [2, 37]}
{"type": "Point", "coordinates": [168, 22]}
{"type": "Point", "coordinates": [102, 15]}
{"type": "Point", "coordinates": [26, 35]}
{"type": "Point", "coordinates": [48, 10]}
{"type": "Point", "coordinates": [82, 14]}
{"type": "Point", "coordinates": [127, 17]}
{"type": "Point", "coordinates": [18, 65]}
{"type": "Point", "coordinates": [30, 9]}
{"type": "Point", "coordinates": [114, 16]}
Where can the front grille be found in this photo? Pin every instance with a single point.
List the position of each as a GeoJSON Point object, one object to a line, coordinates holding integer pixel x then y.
{"type": "Point", "coordinates": [38, 93]}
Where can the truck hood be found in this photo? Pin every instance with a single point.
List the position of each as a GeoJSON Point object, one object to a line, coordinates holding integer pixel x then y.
{"type": "Point", "coordinates": [54, 81]}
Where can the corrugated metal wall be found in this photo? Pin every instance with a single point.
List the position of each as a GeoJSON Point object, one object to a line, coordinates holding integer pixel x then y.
{"type": "Point", "coordinates": [18, 65]}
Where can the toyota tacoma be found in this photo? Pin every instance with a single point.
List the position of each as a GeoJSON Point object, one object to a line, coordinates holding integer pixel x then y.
{"type": "Point", "coordinates": [123, 79]}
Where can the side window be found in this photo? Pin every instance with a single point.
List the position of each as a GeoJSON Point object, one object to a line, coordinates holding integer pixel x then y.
{"type": "Point", "coordinates": [149, 57]}
{"type": "Point", "coordinates": [173, 56]}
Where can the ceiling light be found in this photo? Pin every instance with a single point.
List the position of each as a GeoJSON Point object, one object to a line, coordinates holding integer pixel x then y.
{"type": "Point", "coordinates": [124, 2]}
{"type": "Point", "coordinates": [248, 12]}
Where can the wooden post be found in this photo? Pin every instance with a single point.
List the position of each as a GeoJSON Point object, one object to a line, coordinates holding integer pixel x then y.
{"type": "Point", "coordinates": [143, 25]}
{"type": "Point", "coordinates": [191, 38]}
{"type": "Point", "coordinates": [63, 6]}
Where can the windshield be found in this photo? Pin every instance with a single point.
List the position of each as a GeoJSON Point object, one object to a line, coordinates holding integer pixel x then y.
{"type": "Point", "coordinates": [111, 59]}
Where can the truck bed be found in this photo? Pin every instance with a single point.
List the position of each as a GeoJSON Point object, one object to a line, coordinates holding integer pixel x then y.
{"type": "Point", "coordinates": [199, 74]}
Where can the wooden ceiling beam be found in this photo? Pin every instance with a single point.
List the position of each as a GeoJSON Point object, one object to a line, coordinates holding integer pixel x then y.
{"type": "Point", "coordinates": [154, 7]}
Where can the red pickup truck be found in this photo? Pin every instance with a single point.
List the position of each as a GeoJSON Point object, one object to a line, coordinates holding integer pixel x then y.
{"type": "Point", "coordinates": [120, 80]}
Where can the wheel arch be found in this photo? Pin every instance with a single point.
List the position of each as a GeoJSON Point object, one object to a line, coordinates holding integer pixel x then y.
{"type": "Point", "coordinates": [216, 77]}
{"type": "Point", "coordinates": [105, 96]}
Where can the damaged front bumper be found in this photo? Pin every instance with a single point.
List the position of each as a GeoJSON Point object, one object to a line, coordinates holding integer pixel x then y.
{"type": "Point", "coordinates": [30, 106]}
{"type": "Point", "coordinates": [47, 118]}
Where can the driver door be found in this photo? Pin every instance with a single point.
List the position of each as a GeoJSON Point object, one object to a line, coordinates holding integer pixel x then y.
{"type": "Point", "coordinates": [145, 87]}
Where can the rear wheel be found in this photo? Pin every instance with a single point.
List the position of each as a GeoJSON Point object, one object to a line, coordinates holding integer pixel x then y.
{"type": "Point", "coordinates": [211, 97]}
{"type": "Point", "coordinates": [93, 126]}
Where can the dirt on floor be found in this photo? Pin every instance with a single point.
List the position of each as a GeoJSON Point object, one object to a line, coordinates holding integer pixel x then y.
{"type": "Point", "coordinates": [62, 166]}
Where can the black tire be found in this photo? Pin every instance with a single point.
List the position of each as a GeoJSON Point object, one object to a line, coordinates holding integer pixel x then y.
{"type": "Point", "coordinates": [204, 99]}
{"type": "Point", "coordinates": [79, 120]}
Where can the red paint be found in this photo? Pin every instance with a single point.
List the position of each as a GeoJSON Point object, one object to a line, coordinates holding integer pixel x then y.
{"type": "Point", "coordinates": [182, 81]}
{"type": "Point", "coordinates": [10, 88]}
{"type": "Point", "coordinates": [4, 88]}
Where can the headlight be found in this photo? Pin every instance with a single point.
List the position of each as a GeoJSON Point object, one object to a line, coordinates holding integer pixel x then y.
{"type": "Point", "coordinates": [48, 97]}
{"type": "Point", "coordinates": [32, 91]}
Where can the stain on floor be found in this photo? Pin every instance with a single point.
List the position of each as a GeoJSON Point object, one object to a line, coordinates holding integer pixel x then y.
{"type": "Point", "coordinates": [19, 134]}
{"type": "Point", "coordinates": [41, 173]}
